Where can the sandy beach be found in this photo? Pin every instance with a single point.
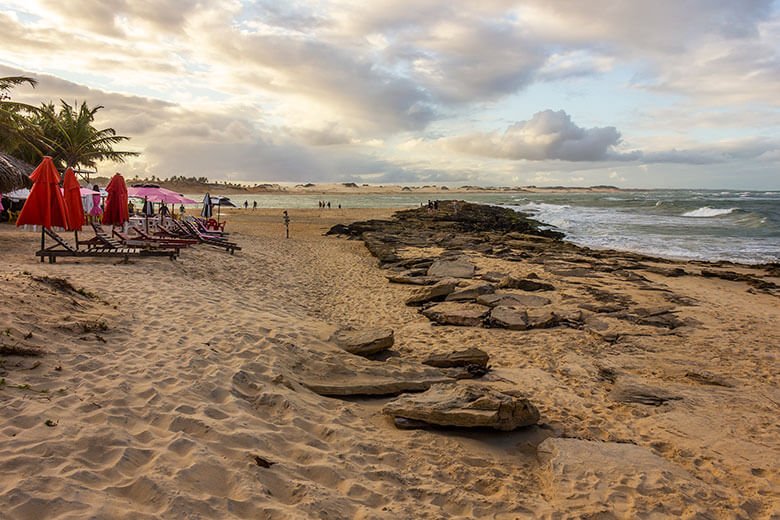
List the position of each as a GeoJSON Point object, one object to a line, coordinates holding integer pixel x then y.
{"type": "Point", "coordinates": [181, 389]}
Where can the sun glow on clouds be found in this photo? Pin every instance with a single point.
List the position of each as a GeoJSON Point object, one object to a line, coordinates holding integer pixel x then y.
{"type": "Point", "coordinates": [418, 90]}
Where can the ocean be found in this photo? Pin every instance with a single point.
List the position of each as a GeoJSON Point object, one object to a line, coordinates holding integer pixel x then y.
{"type": "Point", "coordinates": [738, 226]}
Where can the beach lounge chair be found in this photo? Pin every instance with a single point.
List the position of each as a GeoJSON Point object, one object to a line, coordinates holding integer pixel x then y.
{"type": "Point", "coordinates": [61, 247]}
{"type": "Point", "coordinates": [164, 237]}
{"type": "Point", "coordinates": [143, 243]}
{"type": "Point", "coordinates": [189, 229]}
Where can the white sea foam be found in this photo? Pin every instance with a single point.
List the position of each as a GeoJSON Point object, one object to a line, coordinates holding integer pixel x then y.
{"type": "Point", "coordinates": [706, 211]}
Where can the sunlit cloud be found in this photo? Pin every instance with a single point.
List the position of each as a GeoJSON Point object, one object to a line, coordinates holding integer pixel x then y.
{"type": "Point", "coordinates": [416, 90]}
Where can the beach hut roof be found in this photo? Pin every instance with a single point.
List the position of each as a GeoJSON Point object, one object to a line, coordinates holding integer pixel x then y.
{"type": "Point", "coordinates": [14, 174]}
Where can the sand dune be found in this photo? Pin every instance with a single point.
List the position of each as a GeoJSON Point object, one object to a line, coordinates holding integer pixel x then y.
{"type": "Point", "coordinates": [169, 390]}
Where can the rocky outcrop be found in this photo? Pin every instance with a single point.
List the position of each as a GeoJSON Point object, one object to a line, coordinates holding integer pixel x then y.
{"type": "Point", "coordinates": [464, 406]}
{"type": "Point", "coordinates": [364, 342]}
{"type": "Point", "coordinates": [453, 313]}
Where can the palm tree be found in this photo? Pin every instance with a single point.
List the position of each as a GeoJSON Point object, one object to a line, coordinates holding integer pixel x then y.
{"type": "Point", "coordinates": [15, 131]}
{"type": "Point", "coordinates": [69, 136]}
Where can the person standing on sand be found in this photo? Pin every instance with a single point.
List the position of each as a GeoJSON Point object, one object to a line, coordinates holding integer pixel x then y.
{"type": "Point", "coordinates": [97, 210]}
{"type": "Point", "coordinates": [246, 204]}
{"type": "Point", "coordinates": [328, 204]}
{"type": "Point", "coordinates": [254, 205]}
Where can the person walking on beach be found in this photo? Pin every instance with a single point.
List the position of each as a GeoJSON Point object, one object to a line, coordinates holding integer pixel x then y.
{"type": "Point", "coordinates": [328, 204]}
{"type": "Point", "coordinates": [254, 205]}
{"type": "Point", "coordinates": [246, 204]}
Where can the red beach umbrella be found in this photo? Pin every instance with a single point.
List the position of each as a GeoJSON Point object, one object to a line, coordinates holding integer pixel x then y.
{"type": "Point", "coordinates": [116, 212]}
{"type": "Point", "coordinates": [45, 206]}
{"type": "Point", "coordinates": [73, 204]}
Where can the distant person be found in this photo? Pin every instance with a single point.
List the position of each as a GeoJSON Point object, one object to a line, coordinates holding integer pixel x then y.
{"type": "Point", "coordinates": [254, 205]}
{"type": "Point", "coordinates": [339, 206]}
{"type": "Point", "coordinates": [130, 208]}
{"type": "Point", "coordinates": [181, 210]}
{"type": "Point", "coordinates": [97, 210]}
{"type": "Point", "coordinates": [246, 204]}
{"type": "Point", "coordinates": [328, 204]}
{"type": "Point", "coordinates": [436, 204]}
{"type": "Point", "coordinates": [164, 210]}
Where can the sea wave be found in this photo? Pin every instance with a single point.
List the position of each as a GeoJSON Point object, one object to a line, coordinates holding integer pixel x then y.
{"type": "Point", "coordinates": [707, 211]}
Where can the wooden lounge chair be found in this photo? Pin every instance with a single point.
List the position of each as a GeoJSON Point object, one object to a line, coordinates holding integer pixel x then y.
{"type": "Point", "coordinates": [190, 229]}
{"type": "Point", "coordinates": [165, 237]}
{"type": "Point", "coordinates": [61, 247]}
{"type": "Point", "coordinates": [103, 240]}
{"type": "Point", "coordinates": [143, 243]}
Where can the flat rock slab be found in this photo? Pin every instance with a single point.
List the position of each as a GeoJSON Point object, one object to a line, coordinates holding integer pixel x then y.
{"type": "Point", "coordinates": [435, 292]}
{"type": "Point", "coordinates": [627, 480]}
{"type": "Point", "coordinates": [409, 279]}
{"type": "Point", "coordinates": [328, 370]}
{"type": "Point", "coordinates": [465, 406]}
{"type": "Point", "coordinates": [453, 313]}
{"type": "Point", "coordinates": [633, 390]}
{"type": "Point", "coordinates": [524, 284]}
{"type": "Point", "coordinates": [365, 342]}
{"type": "Point", "coordinates": [460, 358]}
{"type": "Point", "coordinates": [515, 318]}
{"type": "Point", "coordinates": [471, 291]}
{"type": "Point", "coordinates": [513, 300]}
{"type": "Point", "coordinates": [452, 268]}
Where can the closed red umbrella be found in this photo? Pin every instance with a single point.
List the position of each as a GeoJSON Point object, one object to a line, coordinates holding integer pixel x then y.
{"type": "Point", "coordinates": [116, 212]}
{"type": "Point", "coordinates": [73, 204]}
{"type": "Point", "coordinates": [45, 206]}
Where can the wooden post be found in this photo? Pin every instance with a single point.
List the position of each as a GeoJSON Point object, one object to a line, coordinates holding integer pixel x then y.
{"type": "Point", "coordinates": [43, 242]}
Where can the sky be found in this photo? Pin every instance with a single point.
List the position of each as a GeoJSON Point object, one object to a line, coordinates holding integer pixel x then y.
{"type": "Point", "coordinates": [662, 94]}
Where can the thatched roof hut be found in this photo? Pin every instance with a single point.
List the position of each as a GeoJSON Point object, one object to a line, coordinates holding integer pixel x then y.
{"type": "Point", "coordinates": [14, 174]}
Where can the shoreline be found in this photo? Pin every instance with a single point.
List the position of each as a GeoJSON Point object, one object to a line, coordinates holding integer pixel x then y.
{"type": "Point", "coordinates": [656, 388]}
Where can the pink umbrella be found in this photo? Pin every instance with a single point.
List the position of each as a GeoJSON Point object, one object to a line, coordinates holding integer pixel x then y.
{"type": "Point", "coordinates": [158, 195]}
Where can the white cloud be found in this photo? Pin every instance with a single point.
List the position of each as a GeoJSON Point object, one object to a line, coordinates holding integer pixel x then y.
{"type": "Point", "coordinates": [548, 135]}
{"type": "Point", "coordinates": [348, 87]}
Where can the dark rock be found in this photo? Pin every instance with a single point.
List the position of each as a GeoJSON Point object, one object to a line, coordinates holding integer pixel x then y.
{"type": "Point", "coordinates": [524, 284]}
{"type": "Point", "coordinates": [460, 358]}
{"type": "Point", "coordinates": [466, 406]}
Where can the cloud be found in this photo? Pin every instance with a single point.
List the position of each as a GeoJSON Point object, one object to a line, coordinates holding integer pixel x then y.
{"type": "Point", "coordinates": [548, 135]}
